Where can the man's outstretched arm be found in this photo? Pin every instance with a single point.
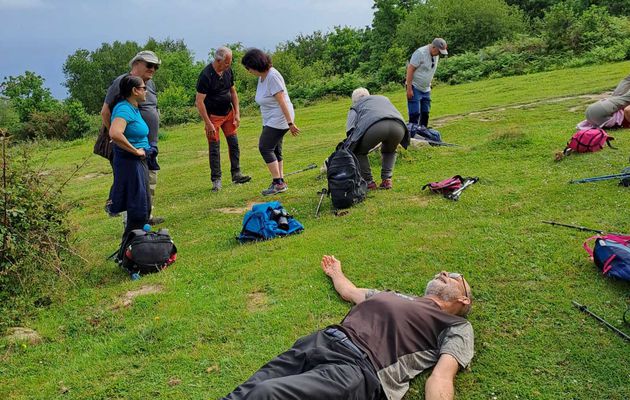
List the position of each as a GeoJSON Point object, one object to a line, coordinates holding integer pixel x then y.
{"type": "Point", "coordinates": [439, 386]}
{"type": "Point", "coordinates": [346, 289]}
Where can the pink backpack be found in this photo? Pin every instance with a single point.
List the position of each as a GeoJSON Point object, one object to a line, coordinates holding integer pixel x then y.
{"type": "Point", "coordinates": [588, 141]}
{"type": "Point", "coordinates": [446, 186]}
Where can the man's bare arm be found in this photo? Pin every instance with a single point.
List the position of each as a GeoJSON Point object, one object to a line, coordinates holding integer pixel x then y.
{"type": "Point", "coordinates": [346, 289]}
{"type": "Point", "coordinates": [235, 106]}
{"type": "Point", "coordinates": [440, 386]}
{"type": "Point", "coordinates": [106, 115]}
{"type": "Point", "coordinates": [408, 79]}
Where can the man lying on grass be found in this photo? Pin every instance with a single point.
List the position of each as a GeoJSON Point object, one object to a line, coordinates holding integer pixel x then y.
{"type": "Point", "coordinates": [385, 340]}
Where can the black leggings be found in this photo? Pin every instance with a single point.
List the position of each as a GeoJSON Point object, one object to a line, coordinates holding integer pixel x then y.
{"type": "Point", "coordinates": [270, 144]}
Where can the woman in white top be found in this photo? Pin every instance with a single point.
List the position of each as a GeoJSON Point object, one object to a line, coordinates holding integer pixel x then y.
{"type": "Point", "coordinates": [277, 114]}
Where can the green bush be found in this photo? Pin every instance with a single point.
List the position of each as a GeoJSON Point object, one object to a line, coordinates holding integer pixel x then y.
{"type": "Point", "coordinates": [33, 237]}
{"type": "Point", "coordinates": [66, 122]}
{"type": "Point", "coordinates": [178, 115]}
{"type": "Point", "coordinates": [467, 25]}
{"type": "Point", "coordinates": [79, 122]}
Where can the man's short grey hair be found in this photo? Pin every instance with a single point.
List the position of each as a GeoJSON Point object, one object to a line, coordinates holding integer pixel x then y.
{"type": "Point", "coordinates": [358, 93]}
{"type": "Point", "coordinates": [221, 53]}
{"type": "Point", "coordinates": [441, 290]}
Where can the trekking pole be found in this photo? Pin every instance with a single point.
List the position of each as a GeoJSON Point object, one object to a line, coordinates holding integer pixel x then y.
{"type": "Point", "coordinates": [580, 228]}
{"type": "Point", "coordinates": [310, 166]}
{"type": "Point", "coordinates": [601, 178]}
{"type": "Point", "coordinates": [600, 319]}
{"type": "Point", "coordinates": [321, 194]}
{"type": "Point", "coordinates": [436, 143]}
{"type": "Point", "coordinates": [455, 195]}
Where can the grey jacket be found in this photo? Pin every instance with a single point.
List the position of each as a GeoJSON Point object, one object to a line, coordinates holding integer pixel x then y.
{"type": "Point", "coordinates": [368, 111]}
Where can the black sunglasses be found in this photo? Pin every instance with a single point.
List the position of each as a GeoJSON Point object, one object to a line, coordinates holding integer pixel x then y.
{"type": "Point", "coordinates": [456, 275]}
{"type": "Point", "coordinates": [152, 65]}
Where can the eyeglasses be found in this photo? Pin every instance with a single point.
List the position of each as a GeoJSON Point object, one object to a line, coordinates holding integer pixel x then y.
{"type": "Point", "coordinates": [152, 65]}
{"type": "Point", "coordinates": [141, 87]}
{"type": "Point", "coordinates": [456, 275]}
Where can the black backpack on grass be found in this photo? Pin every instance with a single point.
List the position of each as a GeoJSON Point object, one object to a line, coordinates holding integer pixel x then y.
{"type": "Point", "coordinates": [346, 187]}
{"type": "Point", "coordinates": [146, 252]}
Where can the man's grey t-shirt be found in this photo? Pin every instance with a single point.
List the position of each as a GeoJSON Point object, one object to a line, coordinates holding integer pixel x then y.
{"type": "Point", "coordinates": [404, 335]}
{"type": "Point", "coordinates": [426, 65]}
{"type": "Point", "coordinates": [148, 108]}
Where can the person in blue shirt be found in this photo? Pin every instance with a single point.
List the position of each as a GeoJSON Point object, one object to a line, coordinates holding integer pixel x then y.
{"type": "Point", "coordinates": [130, 134]}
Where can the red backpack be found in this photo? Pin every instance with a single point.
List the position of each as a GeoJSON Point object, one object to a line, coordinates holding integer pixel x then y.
{"type": "Point", "coordinates": [446, 186]}
{"type": "Point", "coordinates": [588, 141]}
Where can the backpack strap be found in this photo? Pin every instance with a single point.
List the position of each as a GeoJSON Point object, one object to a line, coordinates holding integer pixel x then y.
{"type": "Point", "coordinates": [587, 247]}
{"type": "Point", "coordinates": [610, 138]}
{"type": "Point", "coordinates": [607, 265]}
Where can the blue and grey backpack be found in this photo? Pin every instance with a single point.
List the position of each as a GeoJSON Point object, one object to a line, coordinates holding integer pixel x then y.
{"type": "Point", "coordinates": [421, 132]}
{"type": "Point", "coordinates": [611, 254]}
{"type": "Point", "coordinates": [267, 221]}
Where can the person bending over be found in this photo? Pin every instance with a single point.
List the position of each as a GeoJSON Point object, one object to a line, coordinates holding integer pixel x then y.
{"type": "Point", "coordinates": [385, 340]}
{"type": "Point", "coordinates": [373, 120]}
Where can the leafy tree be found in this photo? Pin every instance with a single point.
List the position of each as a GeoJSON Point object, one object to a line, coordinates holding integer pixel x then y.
{"type": "Point", "coordinates": [344, 49]}
{"type": "Point", "coordinates": [27, 94]}
{"type": "Point", "coordinates": [465, 24]}
{"type": "Point", "coordinates": [89, 74]}
{"type": "Point", "coordinates": [308, 49]}
{"type": "Point", "coordinates": [388, 14]}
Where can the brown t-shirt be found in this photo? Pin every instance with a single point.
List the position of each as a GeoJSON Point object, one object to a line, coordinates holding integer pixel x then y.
{"type": "Point", "coordinates": [404, 335]}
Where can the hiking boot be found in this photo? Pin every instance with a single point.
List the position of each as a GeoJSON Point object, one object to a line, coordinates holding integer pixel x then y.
{"type": "Point", "coordinates": [386, 184]}
{"type": "Point", "coordinates": [275, 188]}
{"type": "Point", "coordinates": [155, 221]}
{"type": "Point", "coordinates": [216, 185]}
{"type": "Point", "coordinates": [240, 178]}
{"type": "Point", "coordinates": [372, 185]}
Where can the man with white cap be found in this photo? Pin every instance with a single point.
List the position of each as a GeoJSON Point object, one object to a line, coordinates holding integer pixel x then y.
{"type": "Point", "coordinates": [144, 64]}
{"type": "Point", "coordinates": [420, 71]}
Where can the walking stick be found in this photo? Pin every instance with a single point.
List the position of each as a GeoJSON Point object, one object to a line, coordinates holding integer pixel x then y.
{"type": "Point", "coordinates": [321, 194]}
{"type": "Point", "coordinates": [455, 195]}
{"type": "Point", "coordinates": [600, 319]}
{"type": "Point", "coordinates": [582, 228]}
{"type": "Point", "coordinates": [310, 166]}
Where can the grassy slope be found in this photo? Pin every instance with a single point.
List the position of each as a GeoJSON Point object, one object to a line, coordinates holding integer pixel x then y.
{"type": "Point", "coordinates": [226, 308]}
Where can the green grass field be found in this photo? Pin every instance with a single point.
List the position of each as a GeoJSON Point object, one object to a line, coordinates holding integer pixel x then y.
{"type": "Point", "coordinates": [224, 309]}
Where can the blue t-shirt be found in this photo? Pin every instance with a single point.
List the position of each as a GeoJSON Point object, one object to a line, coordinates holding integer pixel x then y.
{"type": "Point", "coordinates": [137, 131]}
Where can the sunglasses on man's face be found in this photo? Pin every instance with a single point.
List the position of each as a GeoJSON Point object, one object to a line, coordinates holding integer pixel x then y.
{"type": "Point", "coordinates": [152, 66]}
{"type": "Point", "coordinates": [456, 276]}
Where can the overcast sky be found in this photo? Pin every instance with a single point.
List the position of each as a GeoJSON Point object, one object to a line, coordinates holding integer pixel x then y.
{"type": "Point", "coordinates": [38, 35]}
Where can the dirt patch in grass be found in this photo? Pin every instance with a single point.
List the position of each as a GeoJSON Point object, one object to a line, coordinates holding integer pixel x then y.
{"type": "Point", "coordinates": [93, 175]}
{"type": "Point", "coordinates": [236, 210]}
{"type": "Point", "coordinates": [441, 121]}
{"type": "Point", "coordinates": [127, 299]}
{"type": "Point", "coordinates": [256, 301]}
{"type": "Point", "coordinates": [421, 201]}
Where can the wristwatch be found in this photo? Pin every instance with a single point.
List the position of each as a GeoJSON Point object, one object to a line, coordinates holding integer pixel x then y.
{"type": "Point", "coordinates": [290, 123]}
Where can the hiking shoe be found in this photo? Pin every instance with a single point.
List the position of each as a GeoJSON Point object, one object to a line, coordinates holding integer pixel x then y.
{"type": "Point", "coordinates": [216, 185]}
{"type": "Point", "coordinates": [386, 184]}
{"type": "Point", "coordinates": [240, 178]}
{"type": "Point", "coordinates": [275, 188]}
{"type": "Point", "coordinates": [155, 221]}
{"type": "Point", "coordinates": [372, 185]}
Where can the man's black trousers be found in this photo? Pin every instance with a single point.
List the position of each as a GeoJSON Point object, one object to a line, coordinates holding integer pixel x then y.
{"type": "Point", "coordinates": [317, 367]}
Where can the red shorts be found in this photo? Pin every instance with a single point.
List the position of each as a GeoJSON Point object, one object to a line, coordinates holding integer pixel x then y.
{"type": "Point", "coordinates": [223, 122]}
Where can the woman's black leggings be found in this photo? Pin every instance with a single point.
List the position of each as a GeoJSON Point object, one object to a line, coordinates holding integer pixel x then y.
{"type": "Point", "coordinates": [270, 144]}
